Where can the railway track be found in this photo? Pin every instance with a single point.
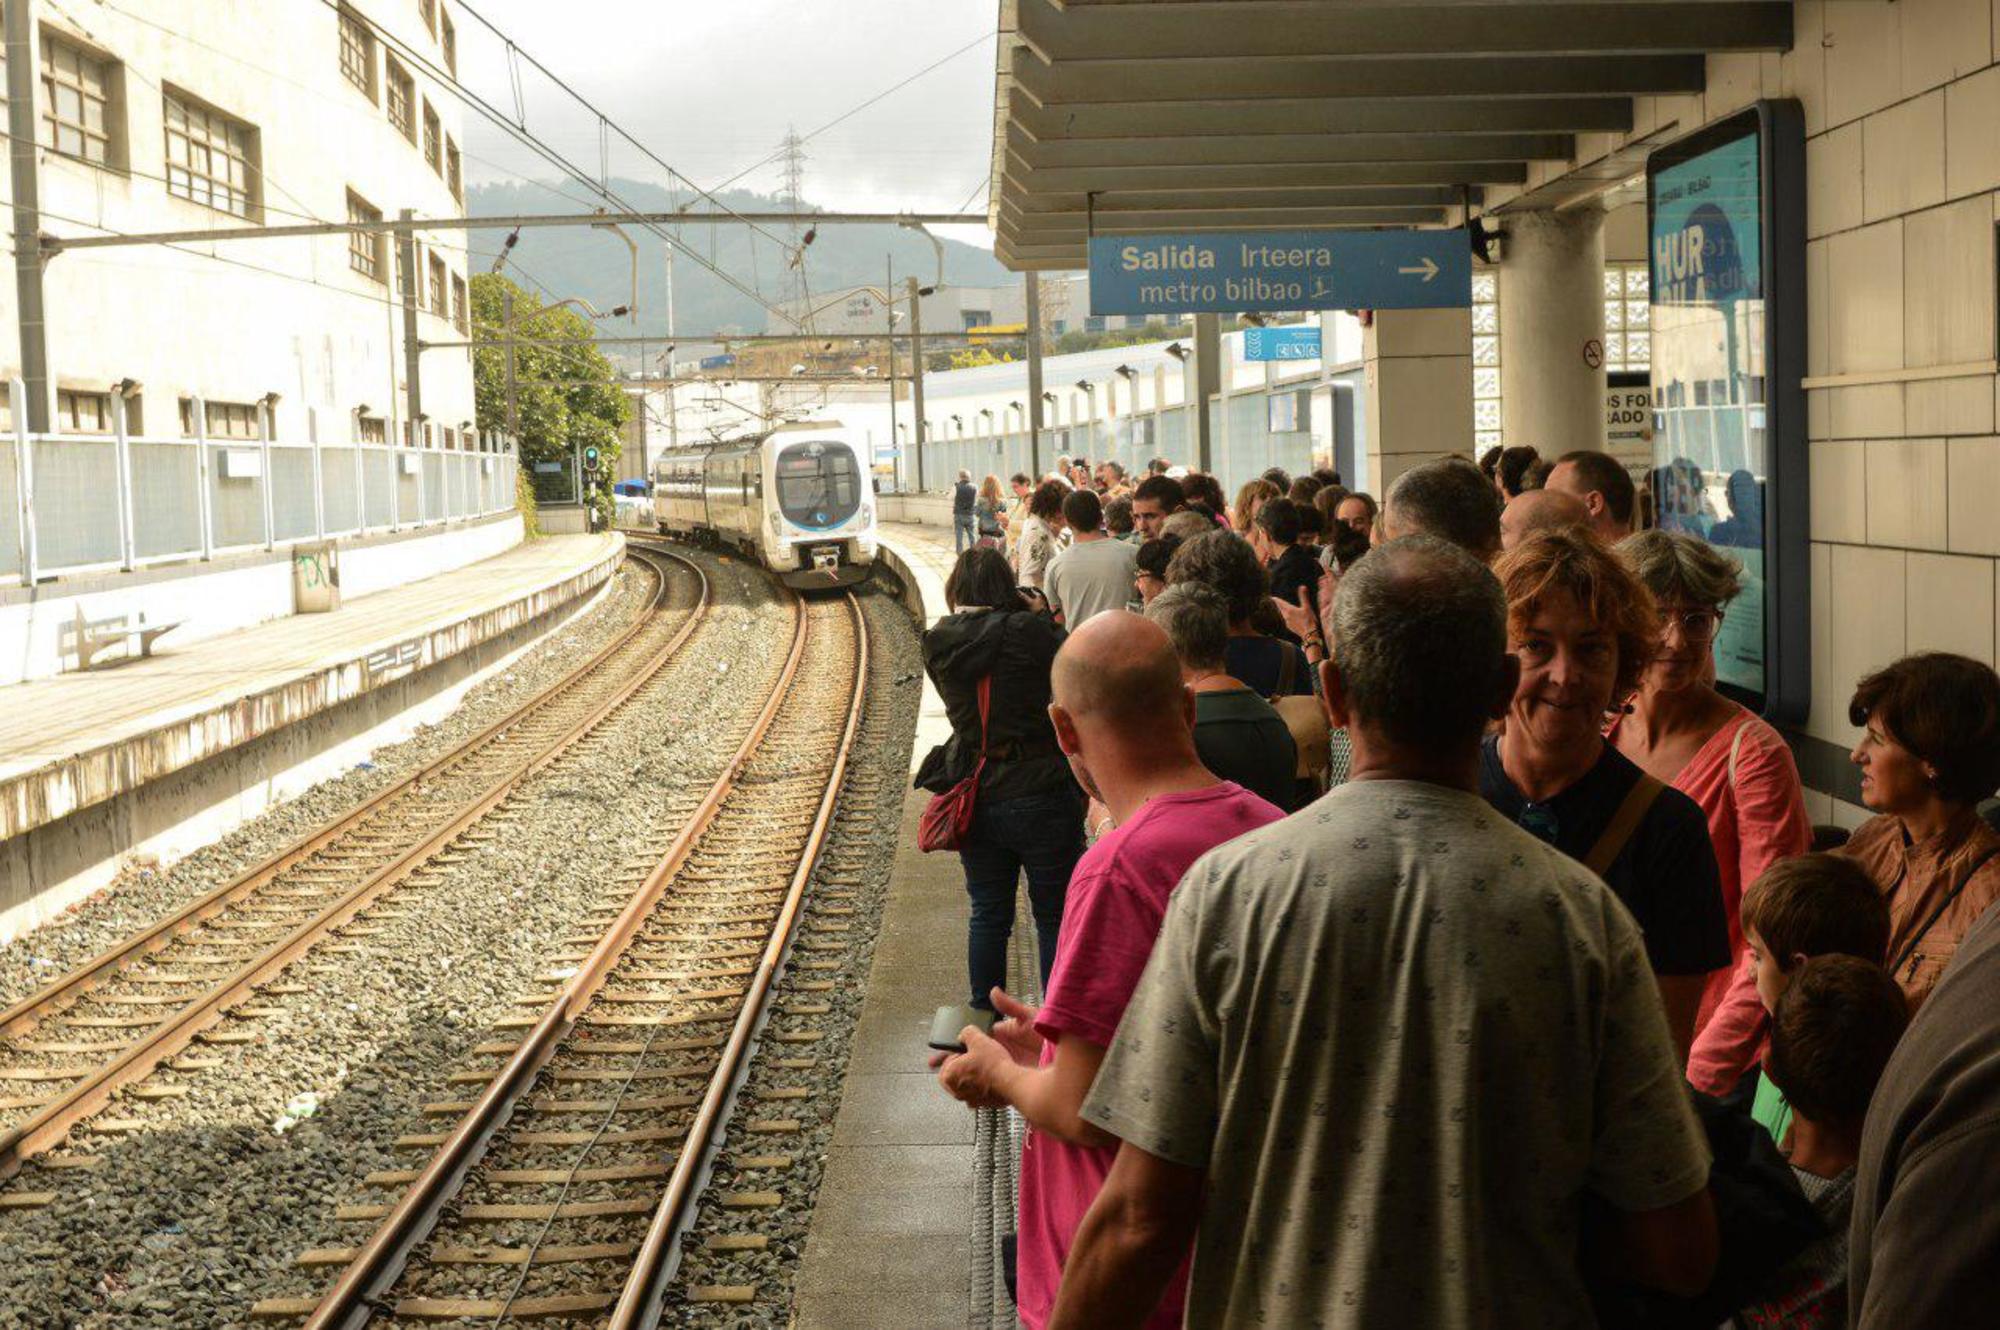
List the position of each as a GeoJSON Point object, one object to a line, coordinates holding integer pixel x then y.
{"type": "Point", "coordinates": [562, 1185]}
{"type": "Point", "coordinates": [193, 977]}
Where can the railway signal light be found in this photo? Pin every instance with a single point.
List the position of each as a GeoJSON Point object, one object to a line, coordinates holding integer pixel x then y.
{"type": "Point", "coordinates": [591, 458]}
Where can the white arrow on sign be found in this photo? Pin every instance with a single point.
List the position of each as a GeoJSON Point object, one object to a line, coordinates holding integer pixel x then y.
{"type": "Point", "coordinates": [1428, 268]}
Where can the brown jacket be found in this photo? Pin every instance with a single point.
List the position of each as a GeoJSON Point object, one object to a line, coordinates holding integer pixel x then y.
{"type": "Point", "coordinates": [1918, 879]}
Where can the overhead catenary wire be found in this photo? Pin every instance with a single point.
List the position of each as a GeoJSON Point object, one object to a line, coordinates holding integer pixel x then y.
{"type": "Point", "coordinates": [535, 144]}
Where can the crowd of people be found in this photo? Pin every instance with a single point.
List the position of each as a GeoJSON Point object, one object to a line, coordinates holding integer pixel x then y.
{"type": "Point", "coordinates": [1427, 938]}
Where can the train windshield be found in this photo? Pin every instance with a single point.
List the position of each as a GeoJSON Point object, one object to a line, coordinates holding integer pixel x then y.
{"type": "Point", "coordinates": [819, 484]}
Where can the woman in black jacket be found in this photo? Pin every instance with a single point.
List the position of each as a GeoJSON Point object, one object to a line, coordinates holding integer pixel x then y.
{"type": "Point", "coordinates": [1029, 811]}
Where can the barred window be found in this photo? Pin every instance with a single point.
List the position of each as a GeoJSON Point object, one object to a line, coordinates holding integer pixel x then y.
{"type": "Point", "coordinates": [402, 99]}
{"type": "Point", "coordinates": [437, 289]}
{"type": "Point", "coordinates": [357, 51]}
{"type": "Point", "coordinates": [433, 139]}
{"type": "Point", "coordinates": [224, 420]}
{"type": "Point", "coordinates": [458, 303]}
{"type": "Point", "coordinates": [402, 270]}
{"type": "Point", "coordinates": [1628, 330]}
{"type": "Point", "coordinates": [448, 35]}
{"type": "Point", "coordinates": [454, 170]}
{"type": "Point", "coordinates": [211, 158]}
{"type": "Point", "coordinates": [364, 248]}
{"type": "Point", "coordinates": [75, 92]}
{"type": "Point", "coordinates": [373, 429]}
{"type": "Point", "coordinates": [82, 413]}
{"type": "Point", "coordinates": [1485, 360]}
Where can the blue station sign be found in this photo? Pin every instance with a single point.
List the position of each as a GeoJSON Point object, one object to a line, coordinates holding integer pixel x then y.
{"type": "Point", "coordinates": [1252, 271]}
{"type": "Point", "coordinates": [1295, 342]}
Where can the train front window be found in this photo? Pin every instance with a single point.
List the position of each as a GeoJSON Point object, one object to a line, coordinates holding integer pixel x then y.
{"type": "Point", "coordinates": [818, 485]}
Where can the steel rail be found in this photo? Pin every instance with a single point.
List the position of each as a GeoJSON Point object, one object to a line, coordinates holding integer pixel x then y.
{"type": "Point", "coordinates": [639, 1302]}
{"type": "Point", "coordinates": [30, 1011]}
{"type": "Point", "coordinates": [52, 1122]}
{"type": "Point", "coordinates": [367, 1279]}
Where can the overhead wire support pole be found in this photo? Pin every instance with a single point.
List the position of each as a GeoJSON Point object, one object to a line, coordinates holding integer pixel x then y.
{"type": "Point", "coordinates": [406, 244]}
{"type": "Point", "coordinates": [23, 74]}
{"type": "Point", "coordinates": [1034, 294]}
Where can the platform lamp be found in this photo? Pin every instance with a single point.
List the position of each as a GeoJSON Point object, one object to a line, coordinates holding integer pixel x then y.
{"type": "Point", "coordinates": [1089, 390]}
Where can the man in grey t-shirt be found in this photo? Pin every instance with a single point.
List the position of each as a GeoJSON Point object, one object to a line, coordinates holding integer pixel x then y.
{"type": "Point", "coordinates": [1384, 1048]}
{"type": "Point", "coordinates": [1095, 573]}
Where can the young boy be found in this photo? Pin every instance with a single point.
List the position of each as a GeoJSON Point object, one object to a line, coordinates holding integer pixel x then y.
{"type": "Point", "coordinates": [1813, 905]}
{"type": "Point", "coordinates": [1832, 1031]}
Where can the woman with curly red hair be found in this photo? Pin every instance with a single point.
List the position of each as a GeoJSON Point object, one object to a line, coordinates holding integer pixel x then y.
{"type": "Point", "coordinates": [1583, 629]}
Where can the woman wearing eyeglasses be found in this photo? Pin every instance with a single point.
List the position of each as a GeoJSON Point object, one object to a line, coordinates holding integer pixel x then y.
{"type": "Point", "coordinates": [1584, 629]}
{"type": "Point", "coordinates": [1683, 731]}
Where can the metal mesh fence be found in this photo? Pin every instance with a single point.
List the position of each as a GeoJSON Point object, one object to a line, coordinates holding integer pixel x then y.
{"type": "Point", "coordinates": [166, 505]}
{"type": "Point", "coordinates": [339, 498]}
{"type": "Point", "coordinates": [75, 487]}
{"type": "Point", "coordinates": [291, 493]}
{"type": "Point", "coordinates": [10, 513]}
{"type": "Point", "coordinates": [433, 487]}
{"type": "Point", "coordinates": [236, 495]}
{"type": "Point", "coordinates": [409, 485]}
{"type": "Point", "coordinates": [378, 466]}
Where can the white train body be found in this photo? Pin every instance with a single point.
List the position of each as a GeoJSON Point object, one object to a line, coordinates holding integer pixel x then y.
{"type": "Point", "coordinates": [802, 506]}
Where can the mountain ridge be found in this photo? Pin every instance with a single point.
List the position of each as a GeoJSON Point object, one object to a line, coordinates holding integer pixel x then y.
{"type": "Point", "coordinates": [599, 268]}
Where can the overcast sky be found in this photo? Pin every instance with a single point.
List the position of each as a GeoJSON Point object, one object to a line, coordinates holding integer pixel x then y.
{"type": "Point", "coordinates": [711, 85]}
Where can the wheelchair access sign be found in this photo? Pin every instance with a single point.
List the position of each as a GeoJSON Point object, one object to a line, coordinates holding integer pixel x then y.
{"type": "Point", "coordinates": [1256, 271]}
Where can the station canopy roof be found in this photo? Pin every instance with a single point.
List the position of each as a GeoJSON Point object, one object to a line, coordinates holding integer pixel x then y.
{"type": "Point", "coordinates": [1214, 115]}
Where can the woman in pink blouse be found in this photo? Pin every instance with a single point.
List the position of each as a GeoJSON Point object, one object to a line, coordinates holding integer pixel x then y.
{"type": "Point", "coordinates": [1685, 732]}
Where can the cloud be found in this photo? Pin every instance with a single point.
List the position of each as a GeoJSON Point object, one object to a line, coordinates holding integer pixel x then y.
{"type": "Point", "coordinates": [712, 89]}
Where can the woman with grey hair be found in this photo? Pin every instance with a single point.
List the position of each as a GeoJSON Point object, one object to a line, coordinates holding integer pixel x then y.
{"type": "Point", "coordinates": [1684, 732]}
{"type": "Point", "coordinates": [1238, 735]}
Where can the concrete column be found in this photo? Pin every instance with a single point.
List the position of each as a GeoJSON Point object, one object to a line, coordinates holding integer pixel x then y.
{"type": "Point", "coordinates": [1552, 330]}
{"type": "Point", "coordinates": [1417, 368]}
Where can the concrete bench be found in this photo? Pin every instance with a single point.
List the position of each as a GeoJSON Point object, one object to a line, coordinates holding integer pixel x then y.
{"type": "Point", "coordinates": [87, 638]}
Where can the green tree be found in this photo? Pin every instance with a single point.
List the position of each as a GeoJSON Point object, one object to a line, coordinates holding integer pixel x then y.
{"type": "Point", "coordinates": [567, 396]}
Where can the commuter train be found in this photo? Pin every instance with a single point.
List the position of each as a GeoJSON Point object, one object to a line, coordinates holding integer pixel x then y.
{"type": "Point", "coordinates": [804, 507]}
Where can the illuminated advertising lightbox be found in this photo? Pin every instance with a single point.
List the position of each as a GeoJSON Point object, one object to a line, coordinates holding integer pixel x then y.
{"type": "Point", "coordinates": [1725, 221]}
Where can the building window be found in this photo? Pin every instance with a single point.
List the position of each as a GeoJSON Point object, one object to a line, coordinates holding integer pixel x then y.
{"type": "Point", "coordinates": [1628, 327]}
{"type": "Point", "coordinates": [1093, 323]}
{"type": "Point", "coordinates": [364, 248]}
{"type": "Point", "coordinates": [433, 139]}
{"type": "Point", "coordinates": [428, 9]}
{"type": "Point", "coordinates": [1485, 360]}
{"type": "Point", "coordinates": [357, 51]}
{"type": "Point", "coordinates": [75, 94]}
{"type": "Point", "coordinates": [402, 100]}
{"type": "Point", "coordinates": [211, 158]}
{"type": "Point", "coordinates": [458, 303]}
{"type": "Point", "coordinates": [448, 34]}
{"type": "Point", "coordinates": [373, 429]}
{"type": "Point", "coordinates": [402, 270]}
{"type": "Point", "coordinates": [975, 318]}
{"type": "Point", "coordinates": [437, 289]}
{"type": "Point", "coordinates": [82, 413]}
{"type": "Point", "coordinates": [224, 420]}
{"type": "Point", "coordinates": [454, 170]}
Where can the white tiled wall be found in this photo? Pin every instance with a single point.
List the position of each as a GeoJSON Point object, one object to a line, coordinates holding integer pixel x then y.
{"type": "Point", "coordinates": [1902, 112]}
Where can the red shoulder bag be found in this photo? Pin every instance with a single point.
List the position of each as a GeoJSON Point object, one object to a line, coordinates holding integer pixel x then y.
{"type": "Point", "coordinates": [947, 818]}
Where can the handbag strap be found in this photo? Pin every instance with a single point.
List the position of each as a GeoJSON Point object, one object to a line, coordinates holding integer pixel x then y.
{"type": "Point", "coordinates": [1916, 938]}
{"type": "Point", "coordinates": [1623, 823]}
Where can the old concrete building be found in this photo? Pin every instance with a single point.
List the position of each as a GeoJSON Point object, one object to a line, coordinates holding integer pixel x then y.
{"type": "Point", "coordinates": [217, 113]}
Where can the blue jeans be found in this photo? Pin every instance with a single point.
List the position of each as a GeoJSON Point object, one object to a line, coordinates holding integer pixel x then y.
{"type": "Point", "coordinates": [1041, 834]}
{"type": "Point", "coordinates": [961, 532]}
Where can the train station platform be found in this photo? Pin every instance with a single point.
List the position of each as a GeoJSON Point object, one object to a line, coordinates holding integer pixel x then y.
{"type": "Point", "coordinates": [916, 1187]}
{"type": "Point", "coordinates": [75, 746]}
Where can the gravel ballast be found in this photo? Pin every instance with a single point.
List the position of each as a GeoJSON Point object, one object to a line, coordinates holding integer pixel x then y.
{"type": "Point", "coordinates": [200, 1202]}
